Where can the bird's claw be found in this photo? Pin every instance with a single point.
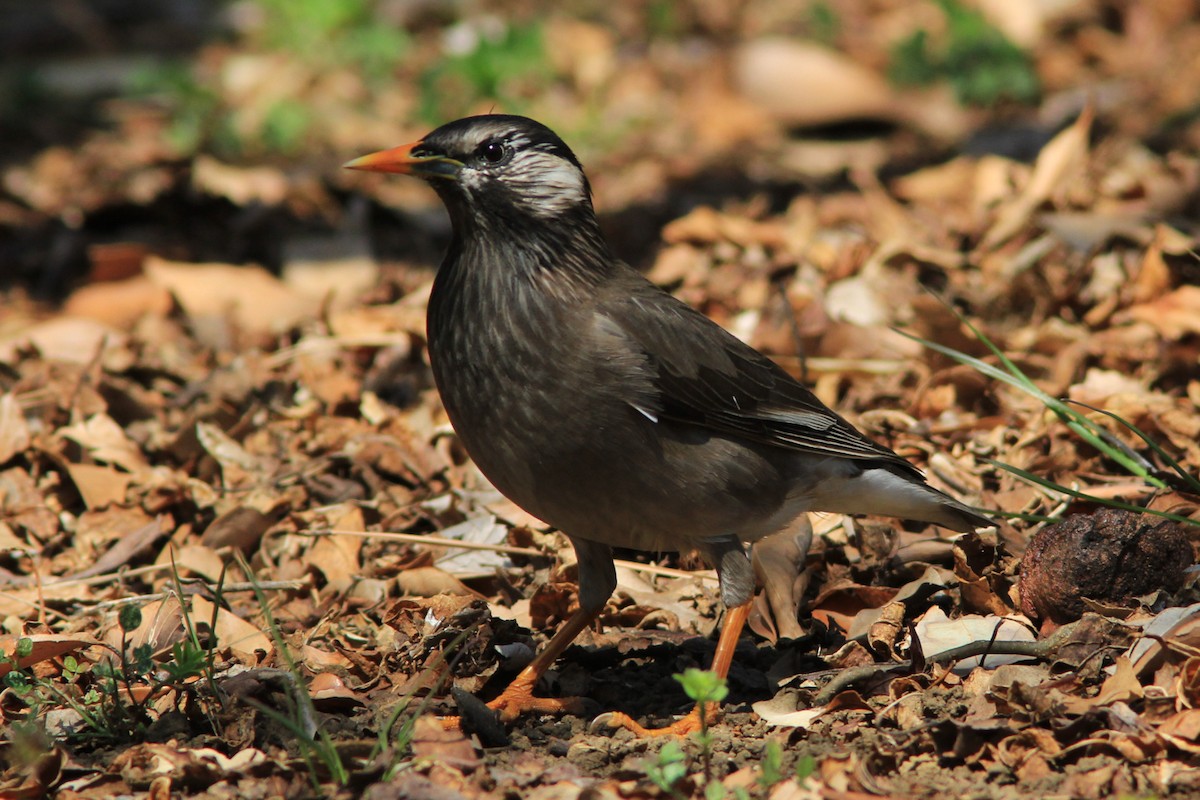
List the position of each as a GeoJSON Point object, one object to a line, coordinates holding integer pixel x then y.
{"type": "Point", "coordinates": [616, 719]}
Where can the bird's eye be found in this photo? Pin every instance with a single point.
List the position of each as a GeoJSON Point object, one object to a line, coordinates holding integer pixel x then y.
{"type": "Point", "coordinates": [492, 152]}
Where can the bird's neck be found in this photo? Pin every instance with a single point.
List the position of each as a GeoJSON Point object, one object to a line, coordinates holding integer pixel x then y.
{"type": "Point", "coordinates": [569, 249]}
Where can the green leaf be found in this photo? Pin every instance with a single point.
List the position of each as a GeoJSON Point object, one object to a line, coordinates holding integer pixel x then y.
{"type": "Point", "coordinates": [771, 767]}
{"type": "Point", "coordinates": [976, 59]}
{"type": "Point", "coordinates": [1011, 374]}
{"type": "Point", "coordinates": [703, 686]}
{"type": "Point", "coordinates": [806, 765]}
{"type": "Point", "coordinates": [129, 617]}
{"type": "Point", "coordinates": [669, 767]}
{"type": "Point", "coordinates": [17, 681]}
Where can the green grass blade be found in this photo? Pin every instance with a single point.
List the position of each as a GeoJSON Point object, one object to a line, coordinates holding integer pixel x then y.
{"type": "Point", "coordinates": [1190, 480]}
{"type": "Point", "coordinates": [1089, 434]}
{"type": "Point", "coordinates": [1094, 435]}
{"type": "Point", "coordinates": [1104, 501]}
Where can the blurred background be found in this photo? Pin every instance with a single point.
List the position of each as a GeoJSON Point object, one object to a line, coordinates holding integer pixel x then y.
{"type": "Point", "coordinates": [213, 131]}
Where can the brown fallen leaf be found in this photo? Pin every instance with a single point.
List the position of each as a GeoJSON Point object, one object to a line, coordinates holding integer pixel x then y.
{"type": "Point", "coordinates": [802, 83]}
{"type": "Point", "coordinates": [256, 300]}
{"type": "Point", "coordinates": [338, 558]}
{"type": "Point", "coordinates": [432, 740]}
{"type": "Point", "coordinates": [45, 646]}
{"type": "Point", "coordinates": [105, 441]}
{"type": "Point", "coordinates": [14, 431]}
{"type": "Point", "coordinates": [1058, 162]}
{"type": "Point", "coordinates": [99, 486]}
{"type": "Point", "coordinates": [837, 605]}
{"type": "Point", "coordinates": [71, 340]}
{"type": "Point", "coordinates": [120, 304]}
{"type": "Point", "coordinates": [331, 694]}
{"type": "Point", "coordinates": [250, 645]}
{"type": "Point", "coordinates": [241, 528]}
{"type": "Point", "coordinates": [430, 582]}
{"type": "Point", "coordinates": [242, 185]}
{"type": "Point", "coordinates": [1173, 315]}
{"type": "Point", "coordinates": [197, 560]}
{"type": "Point", "coordinates": [779, 565]}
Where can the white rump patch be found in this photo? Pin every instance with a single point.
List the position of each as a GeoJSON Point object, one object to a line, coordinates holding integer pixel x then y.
{"type": "Point", "coordinates": [878, 491]}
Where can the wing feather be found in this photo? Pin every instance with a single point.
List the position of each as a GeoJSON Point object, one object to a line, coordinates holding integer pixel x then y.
{"type": "Point", "coordinates": [702, 375]}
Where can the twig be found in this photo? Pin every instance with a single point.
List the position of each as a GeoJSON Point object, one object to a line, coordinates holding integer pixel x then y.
{"type": "Point", "coordinates": [434, 541]}
{"type": "Point", "coordinates": [1043, 649]}
{"type": "Point", "coordinates": [441, 541]}
{"type": "Point", "coordinates": [229, 587]}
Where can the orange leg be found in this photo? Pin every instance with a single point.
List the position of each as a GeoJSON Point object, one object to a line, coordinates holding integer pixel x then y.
{"type": "Point", "coordinates": [518, 697]}
{"type": "Point", "coordinates": [731, 631]}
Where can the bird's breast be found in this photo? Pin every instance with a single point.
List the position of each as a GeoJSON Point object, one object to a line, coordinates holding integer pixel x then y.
{"type": "Point", "coordinates": [509, 366]}
{"type": "Point", "coordinates": [544, 409]}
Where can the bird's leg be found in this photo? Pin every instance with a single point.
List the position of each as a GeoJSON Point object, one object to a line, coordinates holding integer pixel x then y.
{"type": "Point", "coordinates": [737, 590]}
{"type": "Point", "coordinates": [731, 631]}
{"type": "Point", "coordinates": [597, 579]}
{"type": "Point", "coordinates": [518, 697]}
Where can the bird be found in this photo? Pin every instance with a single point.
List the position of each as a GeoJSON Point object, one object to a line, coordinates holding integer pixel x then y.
{"type": "Point", "coordinates": [610, 409]}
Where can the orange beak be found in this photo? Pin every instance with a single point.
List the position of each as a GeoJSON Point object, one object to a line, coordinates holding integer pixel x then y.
{"type": "Point", "coordinates": [400, 160]}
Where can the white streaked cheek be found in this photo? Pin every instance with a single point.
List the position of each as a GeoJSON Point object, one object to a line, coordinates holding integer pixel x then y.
{"type": "Point", "coordinates": [552, 187]}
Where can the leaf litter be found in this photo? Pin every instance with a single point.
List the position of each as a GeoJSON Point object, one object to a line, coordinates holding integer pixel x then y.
{"type": "Point", "coordinates": [225, 447]}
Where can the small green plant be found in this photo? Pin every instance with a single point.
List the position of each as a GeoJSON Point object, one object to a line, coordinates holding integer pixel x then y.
{"type": "Point", "coordinates": [669, 767]}
{"type": "Point", "coordinates": [195, 108]}
{"type": "Point", "coordinates": [108, 709]}
{"type": "Point", "coordinates": [806, 765]}
{"type": "Point", "coordinates": [106, 695]}
{"type": "Point", "coordinates": [342, 34]}
{"type": "Point", "coordinates": [320, 35]}
{"type": "Point", "coordinates": [823, 23]}
{"type": "Point", "coordinates": [315, 744]}
{"type": "Point", "coordinates": [706, 689]}
{"type": "Point", "coordinates": [663, 20]}
{"type": "Point", "coordinates": [771, 766]}
{"type": "Point", "coordinates": [978, 60]}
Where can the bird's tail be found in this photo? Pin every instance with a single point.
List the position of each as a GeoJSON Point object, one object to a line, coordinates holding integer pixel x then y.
{"type": "Point", "coordinates": [888, 493]}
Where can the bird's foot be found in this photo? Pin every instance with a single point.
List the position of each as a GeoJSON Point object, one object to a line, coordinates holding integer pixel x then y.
{"type": "Point", "coordinates": [681, 727]}
{"type": "Point", "coordinates": [512, 704]}
{"type": "Point", "coordinates": [514, 701]}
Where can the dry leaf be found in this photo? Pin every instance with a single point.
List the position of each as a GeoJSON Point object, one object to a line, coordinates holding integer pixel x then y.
{"type": "Point", "coordinates": [938, 633]}
{"type": "Point", "coordinates": [67, 339]}
{"type": "Point", "coordinates": [779, 564]}
{"type": "Point", "coordinates": [14, 432]}
{"type": "Point", "coordinates": [45, 647]}
{"type": "Point", "coordinates": [1174, 315]}
{"type": "Point", "coordinates": [254, 298]}
{"type": "Point", "coordinates": [801, 83]}
{"type": "Point", "coordinates": [249, 644]}
{"type": "Point", "coordinates": [120, 304]}
{"type": "Point", "coordinates": [1058, 162]}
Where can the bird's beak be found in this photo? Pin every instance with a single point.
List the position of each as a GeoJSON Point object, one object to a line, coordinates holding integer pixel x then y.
{"type": "Point", "coordinates": [402, 161]}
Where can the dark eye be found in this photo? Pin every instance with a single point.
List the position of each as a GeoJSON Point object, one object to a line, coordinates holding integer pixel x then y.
{"type": "Point", "coordinates": [492, 152]}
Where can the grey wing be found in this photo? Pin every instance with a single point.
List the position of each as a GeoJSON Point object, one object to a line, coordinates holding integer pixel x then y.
{"type": "Point", "coordinates": [699, 374]}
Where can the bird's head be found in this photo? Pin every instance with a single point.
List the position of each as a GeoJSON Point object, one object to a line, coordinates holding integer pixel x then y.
{"type": "Point", "coordinates": [493, 168]}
